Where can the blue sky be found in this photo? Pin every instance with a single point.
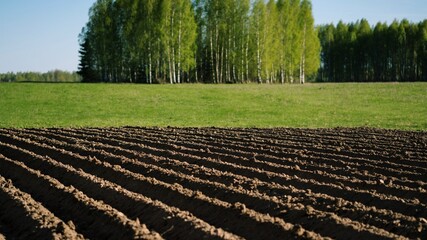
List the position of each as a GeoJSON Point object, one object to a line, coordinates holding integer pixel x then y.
{"type": "Point", "coordinates": [327, 11]}
{"type": "Point", "coordinates": [41, 35]}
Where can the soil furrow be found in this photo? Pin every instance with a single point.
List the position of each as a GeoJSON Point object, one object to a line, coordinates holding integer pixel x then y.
{"type": "Point", "coordinates": [170, 221]}
{"type": "Point", "coordinates": [259, 161]}
{"type": "Point", "coordinates": [94, 219]}
{"type": "Point", "coordinates": [295, 213]}
{"type": "Point", "coordinates": [238, 220]}
{"type": "Point", "coordinates": [320, 150]}
{"type": "Point", "coordinates": [149, 170]}
{"type": "Point", "coordinates": [339, 168]}
{"type": "Point", "coordinates": [291, 211]}
{"type": "Point", "coordinates": [28, 218]}
{"type": "Point", "coordinates": [344, 167]}
{"type": "Point", "coordinates": [191, 183]}
{"type": "Point", "coordinates": [339, 151]}
{"type": "Point", "coordinates": [324, 177]}
{"type": "Point", "coordinates": [306, 143]}
{"type": "Point", "coordinates": [364, 196]}
{"type": "Point", "coordinates": [308, 139]}
{"type": "Point", "coordinates": [358, 142]}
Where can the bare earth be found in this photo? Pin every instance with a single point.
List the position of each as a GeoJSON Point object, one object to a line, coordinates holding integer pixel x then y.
{"type": "Point", "coordinates": [212, 183]}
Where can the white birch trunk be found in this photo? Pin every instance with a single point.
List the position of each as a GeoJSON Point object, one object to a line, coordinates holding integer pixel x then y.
{"type": "Point", "coordinates": [212, 60]}
{"type": "Point", "coordinates": [242, 67]}
{"type": "Point", "coordinates": [302, 67]}
{"type": "Point", "coordinates": [173, 47]}
{"type": "Point", "coordinates": [170, 68]}
{"type": "Point", "coordinates": [196, 71]}
{"type": "Point", "coordinates": [150, 71]}
{"type": "Point", "coordinates": [179, 51]}
{"type": "Point", "coordinates": [258, 57]}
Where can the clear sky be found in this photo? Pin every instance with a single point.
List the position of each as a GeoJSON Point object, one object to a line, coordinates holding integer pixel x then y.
{"type": "Point", "coordinates": [331, 11]}
{"type": "Point", "coordinates": [41, 35]}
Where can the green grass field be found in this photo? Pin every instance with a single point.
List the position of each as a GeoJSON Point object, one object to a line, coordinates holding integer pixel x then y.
{"type": "Point", "coordinates": [380, 105]}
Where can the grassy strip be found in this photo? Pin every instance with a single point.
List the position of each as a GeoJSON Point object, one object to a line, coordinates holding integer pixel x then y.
{"type": "Point", "coordinates": [380, 105]}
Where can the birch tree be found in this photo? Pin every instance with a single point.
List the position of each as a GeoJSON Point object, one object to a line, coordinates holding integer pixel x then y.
{"type": "Point", "coordinates": [289, 37]}
{"type": "Point", "coordinates": [179, 41]}
{"type": "Point", "coordinates": [271, 57]}
{"type": "Point", "coordinates": [310, 49]}
{"type": "Point", "coordinates": [258, 32]}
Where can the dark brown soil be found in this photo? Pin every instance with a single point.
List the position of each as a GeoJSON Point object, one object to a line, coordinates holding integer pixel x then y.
{"type": "Point", "coordinates": [212, 183]}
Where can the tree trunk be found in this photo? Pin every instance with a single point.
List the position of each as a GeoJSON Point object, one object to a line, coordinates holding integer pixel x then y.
{"type": "Point", "coordinates": [247, 58]}
{"type": "Point", "coordinates": [258, 56]}
{"type": "Point", "coordinates": [302, 67]}
{"type": "Point", "coordinates": [197, 66]}
{"type": "Point", "coordinates": [282, 68]}
{"type": "Point", "coordinates": [179, 51]}
{"type": "Point", "coordinates": [212, 60]}
{"type": "Point", "coordinates": [170, 66]}
{"type": "Point", "coordinates": [221, 65]}
{"type": "Point", "coordinates": [173, 47]}
{"type": "Point", "coordinates": [242, 67]}
{"type": "Point", "coordinates": [218, 57]}
{"type": "Point", "coordinates": [150, 71]}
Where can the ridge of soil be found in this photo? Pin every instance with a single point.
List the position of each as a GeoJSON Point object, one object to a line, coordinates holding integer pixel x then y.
{"type": "Point", "coordinates": [213, 183]}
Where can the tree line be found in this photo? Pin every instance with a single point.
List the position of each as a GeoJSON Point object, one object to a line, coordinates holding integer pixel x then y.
{"type": "Point", "coordinates": [51, 76]}
{"type": "Point", "coordinates": [357, 52]}
{"type": "Point", "coordinates": [176, 41]}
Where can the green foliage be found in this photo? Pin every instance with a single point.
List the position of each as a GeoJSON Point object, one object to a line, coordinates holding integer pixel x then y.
{"type": "Point", "coordinates": [189, 40]}
{"type": "Point", "coordinates": [393, 105]}
{"type": "Point", "coordinates": [138, 41]}
{"type": "Point", "coordinates": [86, 66]}
{"type": "Point", "coordinates": [258, 36]}
{"type": "Point", "coordinates": [310, 43]}
{"type": "Point", "coordinates": [357, 52]}
{"type": "Point", "coordinates": [51, 76]}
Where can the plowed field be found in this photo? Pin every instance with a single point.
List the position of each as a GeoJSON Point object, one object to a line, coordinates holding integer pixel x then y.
{"type": "Point", "coordinates": [212, 183]}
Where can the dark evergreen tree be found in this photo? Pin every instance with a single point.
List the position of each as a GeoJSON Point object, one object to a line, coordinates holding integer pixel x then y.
{"type": "Point", "coordinates": [86, 67]}
{"type": "Point", "coordinates": [355, 52]}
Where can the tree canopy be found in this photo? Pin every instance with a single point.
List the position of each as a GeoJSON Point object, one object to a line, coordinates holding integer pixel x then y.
{"type": "Point", "coordinates": [176, 41]}
{"type": "Point", "coordinates": [51, 76]}
{"type": "Point", "coordinates": [236, 41]}
{"type": "Point", "coordinates": [357, 52]}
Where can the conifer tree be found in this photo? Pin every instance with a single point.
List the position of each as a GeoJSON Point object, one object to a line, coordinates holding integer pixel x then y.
{"type": "Point", "coordinates": [86, 65]}
{"type": "Point", "coordinates": [356, 52]}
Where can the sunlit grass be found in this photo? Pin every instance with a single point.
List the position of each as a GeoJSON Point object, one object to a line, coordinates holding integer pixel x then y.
{"type": "Point", "coordinates": [381, 105]}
